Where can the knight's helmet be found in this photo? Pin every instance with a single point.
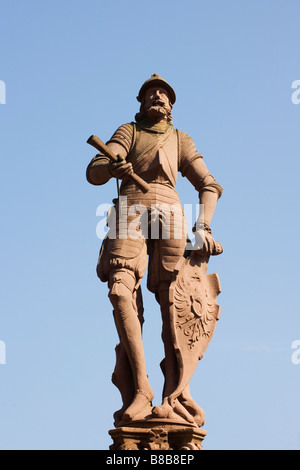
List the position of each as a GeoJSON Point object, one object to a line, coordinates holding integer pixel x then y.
{"type": "Point", "coordinates": [156, 80]}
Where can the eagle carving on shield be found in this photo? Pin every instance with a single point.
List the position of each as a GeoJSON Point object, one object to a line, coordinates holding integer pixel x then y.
{"type": "Point", "coordinates": [195, 310]}
{"type": "Point", "coordinates": [194, 314]}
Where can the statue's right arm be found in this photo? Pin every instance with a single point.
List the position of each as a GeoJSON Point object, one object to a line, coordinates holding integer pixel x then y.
{"type": "Point", "coordinates": [97, 172]}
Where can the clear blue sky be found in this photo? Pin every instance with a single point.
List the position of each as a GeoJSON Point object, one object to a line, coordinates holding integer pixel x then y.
{"type": "Point", "coordinates": [73, 69]}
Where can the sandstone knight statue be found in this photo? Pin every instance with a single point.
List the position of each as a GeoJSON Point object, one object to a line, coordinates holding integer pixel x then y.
{"type": "Point", "coordinates": [151, 149]}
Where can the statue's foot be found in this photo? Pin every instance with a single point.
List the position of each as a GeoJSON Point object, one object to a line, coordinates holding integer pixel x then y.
{"type": "Point", "coordinates": [118, 415]}
{"type": "Point", "coordinates": [164, 411]}
{"type": "Point", "coordinates": [194, 410]}
{"type": "Point", "coordinates": [192, 407]}
{"type": "Point", "coordinates": [174, 411]}
{"type": "Point", "coordinates": [141, 400]}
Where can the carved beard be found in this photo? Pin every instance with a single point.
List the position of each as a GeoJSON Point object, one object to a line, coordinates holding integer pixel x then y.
{"type": "Point", "coordinates": [155, 115]}
{"type": "Point", "coordinates": [157, 110]}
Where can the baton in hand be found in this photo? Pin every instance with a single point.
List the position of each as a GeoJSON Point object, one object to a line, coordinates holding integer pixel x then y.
{"type": "Point", "coordinates": [103, 148]}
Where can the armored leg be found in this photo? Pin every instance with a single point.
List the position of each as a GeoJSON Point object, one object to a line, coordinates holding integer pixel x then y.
{"type": "Point", "coordinates": [122, 376]}
{"type": "Point", "coordinates": [122, 284]}
{"type": "Point", "coordinates": [183, 407]}
{"type": "Point", "coordinates": [171, 370]}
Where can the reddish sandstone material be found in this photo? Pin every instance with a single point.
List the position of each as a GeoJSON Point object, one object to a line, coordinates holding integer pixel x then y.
{"type": "Point", "coordinates": [155, 152]}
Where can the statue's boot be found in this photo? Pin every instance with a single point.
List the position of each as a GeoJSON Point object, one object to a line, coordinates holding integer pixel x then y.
{"type": "Point", "coordinates": [130, 332]}
{"type": "Point", "coordinates": [169, 365]}
{"type": "Point", "coordinates": [166, 410]}
{"type": "Point", "coordinates": [122, 378]}
{"type": "Point", "coordinates": [142, 402]}
{"type": "Point", "coordinates": [192, 407]}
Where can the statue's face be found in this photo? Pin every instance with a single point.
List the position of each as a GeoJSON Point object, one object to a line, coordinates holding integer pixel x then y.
{"type": "Point", "coordinates": [157, 103]}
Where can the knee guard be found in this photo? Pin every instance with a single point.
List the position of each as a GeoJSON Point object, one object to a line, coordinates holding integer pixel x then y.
{"type": "Point", "coordinates": [122, 284]}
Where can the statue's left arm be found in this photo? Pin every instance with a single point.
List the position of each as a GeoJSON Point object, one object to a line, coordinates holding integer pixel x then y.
{"type": "Point", "coordinates": [192, 166]}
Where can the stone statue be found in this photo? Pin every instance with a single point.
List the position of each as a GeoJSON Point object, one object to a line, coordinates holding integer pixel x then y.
{"type": "Point", "coordinates": [151, 149]}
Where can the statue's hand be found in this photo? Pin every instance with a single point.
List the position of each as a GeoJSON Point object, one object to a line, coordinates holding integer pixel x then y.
{"type": "Point", "coordinates": [121, 169]}
{"type": "Point", "coordinates": [205, 244]}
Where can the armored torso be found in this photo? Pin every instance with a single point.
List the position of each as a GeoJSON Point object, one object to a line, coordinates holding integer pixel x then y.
{"type": "Point", "coordinates": [154, 156]}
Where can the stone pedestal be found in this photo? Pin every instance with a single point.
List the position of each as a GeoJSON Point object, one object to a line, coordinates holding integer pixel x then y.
{"type": "Point", "coordinates": [157, 436]}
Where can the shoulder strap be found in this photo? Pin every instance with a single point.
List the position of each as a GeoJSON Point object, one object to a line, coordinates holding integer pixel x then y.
{"type": "Point", "coordinates": [160, 141]}
{"type": "Point", "coordinates": [178, 148]}
{"type": "Point", "coordinates": [133, 140]}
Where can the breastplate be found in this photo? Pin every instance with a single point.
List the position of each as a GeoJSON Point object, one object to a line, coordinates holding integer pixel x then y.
{"type": "Point", "coordinates": [154, 156]}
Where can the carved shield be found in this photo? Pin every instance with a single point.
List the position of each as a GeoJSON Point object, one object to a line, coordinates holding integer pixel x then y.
{"type": "Point", "coordinates": [194, 314]}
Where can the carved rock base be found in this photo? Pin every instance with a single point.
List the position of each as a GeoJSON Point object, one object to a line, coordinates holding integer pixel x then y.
{"type": "Point", "coordinates": [158, 436]}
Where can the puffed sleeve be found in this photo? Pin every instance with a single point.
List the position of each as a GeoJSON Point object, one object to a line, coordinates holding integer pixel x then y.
{"type": "Point", "coordinates": [122, 136]}
{"type": "Point", "coordinates": [192, 166]}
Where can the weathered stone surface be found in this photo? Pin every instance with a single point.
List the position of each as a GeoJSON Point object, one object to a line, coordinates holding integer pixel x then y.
{"type": "Point", "coordinates": [159, 437]}
{"type": "Point", "coordinates": [147, 156]}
